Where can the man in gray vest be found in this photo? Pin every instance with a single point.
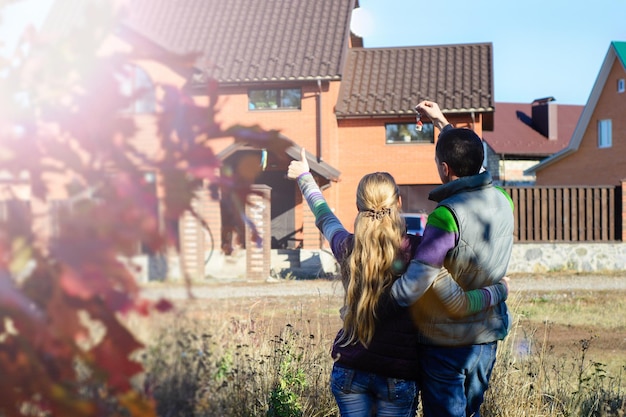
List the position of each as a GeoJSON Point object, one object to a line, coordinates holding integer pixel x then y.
{"type": "Point", "coordinates": [470, 232]}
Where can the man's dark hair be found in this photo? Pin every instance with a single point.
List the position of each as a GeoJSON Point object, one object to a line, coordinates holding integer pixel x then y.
{"type": "Point", "coordinates": [462, 150]}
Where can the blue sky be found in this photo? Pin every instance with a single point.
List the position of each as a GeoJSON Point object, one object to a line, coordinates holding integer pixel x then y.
{"type": "Point", "coordinates": [541, 47]}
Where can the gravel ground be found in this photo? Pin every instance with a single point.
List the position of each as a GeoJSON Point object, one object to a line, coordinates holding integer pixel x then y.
{"type": "Point", "coordinates": [241, 289]}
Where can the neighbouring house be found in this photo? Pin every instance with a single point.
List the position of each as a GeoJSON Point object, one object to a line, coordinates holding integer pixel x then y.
{"type": "Point", "coordinates": [524, 134]}
{"type": "Point", "coordinates": [595, 153]}
{"type": "Point", "coordinates": [296, 67]}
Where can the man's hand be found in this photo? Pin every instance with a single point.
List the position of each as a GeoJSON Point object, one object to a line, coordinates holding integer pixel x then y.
{"type": "Point", "coordinates": [297, 168]}
{"type": "Point", "coordinates": [432, 110]}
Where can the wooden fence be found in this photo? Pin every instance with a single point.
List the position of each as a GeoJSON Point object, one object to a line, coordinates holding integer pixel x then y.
{"type": "Point", "coordinates": [567, 214]}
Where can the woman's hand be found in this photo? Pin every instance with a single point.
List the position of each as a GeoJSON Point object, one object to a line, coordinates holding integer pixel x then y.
{"type": "Point", "coordinates": [505, 281]}
{"type": "Point", "coordinates": [297, 168]}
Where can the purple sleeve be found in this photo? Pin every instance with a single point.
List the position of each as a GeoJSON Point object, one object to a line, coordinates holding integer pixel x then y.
{"type": "Point", "coordinates": [435, 245]}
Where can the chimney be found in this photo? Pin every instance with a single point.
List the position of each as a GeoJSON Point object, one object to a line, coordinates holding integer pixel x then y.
{"type": "Point", "coordinates": [544, 117]}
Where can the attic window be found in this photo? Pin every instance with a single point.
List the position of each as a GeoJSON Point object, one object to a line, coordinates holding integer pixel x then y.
{"type": "Point", "coordinates": [407, 133]}
{"type": "Point", "coordinates": [135, 83]}
{"type": "Point", "coordinates": [605, 133]}
{"type": "Point", "coordinates": [286, 98]}
{"type": "Point", "coordinates": [621, 85]}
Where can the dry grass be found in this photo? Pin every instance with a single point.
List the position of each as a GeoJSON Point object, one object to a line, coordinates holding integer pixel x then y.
{"type": "Point", "coordinates": [269, 356]}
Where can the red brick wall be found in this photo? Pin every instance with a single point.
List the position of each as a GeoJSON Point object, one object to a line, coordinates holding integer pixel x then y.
{"type": "Point", "coordinates": [298, 125]}
{"type": "Point", "coordinates": [354, 147]}
{"type": "Point", "coordinates": [363, 149]}
{"type": "Point", "coordinates": [590, 165]}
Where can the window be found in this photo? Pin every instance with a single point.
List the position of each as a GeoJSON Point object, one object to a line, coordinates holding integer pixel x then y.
{"type": "Point", "coordinates": [621, 85]}
{"type": "Point", "coordinates": [605, 133]}
{"type": "Point", "coordinates": [286, 98]}
{"type": "Point", "coordinates": [407, 133]}
{"type": "Point", "coordinates": [135, 82]}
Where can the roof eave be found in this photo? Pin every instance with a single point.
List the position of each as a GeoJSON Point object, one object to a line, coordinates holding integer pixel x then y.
{"type": "Point", "coordinates": [408, 113]}
{"type": "Point", "coordinates": [585, 117]}
{"type": "Point", "coordinates": [267, 81]}
{"type": "Point", "coordinates": [549, 161]}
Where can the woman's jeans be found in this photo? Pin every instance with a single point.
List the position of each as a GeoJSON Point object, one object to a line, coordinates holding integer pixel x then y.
{"type": "Point", "coordinates": [366, 394]}
{"type": "Point", "coordinates": [454, 379]}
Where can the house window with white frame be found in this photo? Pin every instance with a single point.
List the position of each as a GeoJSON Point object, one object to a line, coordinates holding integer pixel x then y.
{"type": "Point", "coordinates": [136, 83]}
{"type": "Point", "coordinates": [621, 85]}
{"type": "Point", "coordinates": [605, 133]}
{"type": "Point", "coordinates": [277, 98]}
{"type": "Point", "coordinates": [408, 133]}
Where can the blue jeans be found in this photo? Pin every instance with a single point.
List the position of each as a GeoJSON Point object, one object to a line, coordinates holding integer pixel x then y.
{"type": "Point", "coordinates": [366, 394]}
{"type": "Point", "coordinates": [454, 379]}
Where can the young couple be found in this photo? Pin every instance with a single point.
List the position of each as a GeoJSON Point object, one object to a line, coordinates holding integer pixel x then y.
{"type": "Point", "coordinates": [420, 314]}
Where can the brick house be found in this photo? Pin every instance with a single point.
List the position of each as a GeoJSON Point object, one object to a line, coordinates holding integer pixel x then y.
{"type": "Point", "coordinates": [296, 67]}
{"type": "Point", "coordinates": [524, 134]}
{"type": "Point", "coordinates": [376, 120]}
{"type": "Point", "coordinates": [595, 153]}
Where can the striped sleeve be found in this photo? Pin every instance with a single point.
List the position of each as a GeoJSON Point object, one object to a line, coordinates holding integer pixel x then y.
{"type": "Point", "coordinates": [460, 303]}
{"type": "Point", "coordinates": [440, 235]}
{"type": "Point", "coordinates": [325, 219]}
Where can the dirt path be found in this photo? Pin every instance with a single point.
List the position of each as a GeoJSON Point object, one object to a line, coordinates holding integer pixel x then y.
{"type": "Point", "coordinates": [239, 289]}
{"type": "Point", "coordinates": [312, 298]}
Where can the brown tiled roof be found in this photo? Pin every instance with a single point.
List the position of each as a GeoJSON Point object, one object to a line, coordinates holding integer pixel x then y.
{"type": "Point", "coordinates": [391, 81]}
{"type": "Point", "coordinates": [250, 40]}
{"type": "Point", "coordinates": [513, 133]}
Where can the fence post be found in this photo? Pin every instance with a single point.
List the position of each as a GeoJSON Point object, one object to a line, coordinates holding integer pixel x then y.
{"type": "Point", "coordinates": [258, 257]}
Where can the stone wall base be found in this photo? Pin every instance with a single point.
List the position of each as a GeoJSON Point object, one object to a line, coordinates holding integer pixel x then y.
{"type": "Point", "coordinates": [311, 263]}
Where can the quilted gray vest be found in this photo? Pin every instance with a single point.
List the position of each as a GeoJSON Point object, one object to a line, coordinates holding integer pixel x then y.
{"type": "Point", "coordinates": [485, 220]}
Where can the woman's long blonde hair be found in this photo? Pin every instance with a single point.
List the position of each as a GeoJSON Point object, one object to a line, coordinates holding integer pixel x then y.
{"type": "Point", "coordinates": [369, 269]}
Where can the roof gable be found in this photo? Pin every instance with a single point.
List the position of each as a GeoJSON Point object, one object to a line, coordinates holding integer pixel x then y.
{"type": "Point", "coordinates": [620, 50]}
{"type": "Point", "coordinates": [513, 132]}
{"type": "Point", "coordinates": [248, 40]}
{"type": "Point", "coordinates": [391, 81]}
{"type": "Point", "coordinates": [615, 49]}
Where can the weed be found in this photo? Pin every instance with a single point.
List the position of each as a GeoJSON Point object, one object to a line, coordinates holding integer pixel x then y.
{"type": "Point", "coordinates": [211, 361]}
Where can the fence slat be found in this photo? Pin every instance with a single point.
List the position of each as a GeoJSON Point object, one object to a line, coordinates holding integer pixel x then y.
{"type": "Point", "coordinates": [615, 229]}
{"type": "Point", "coordinates": [558, 214]}
{"type": "Point", "coordinates": [604, 225]}
{"type": "Point", "coordinates": [588, 223]}
{"type": "Point", "coordinates": [580, 214]}
{"type": "Point", "coordinates": [521, 204]}
{"type": "Point", "coordinates": [536, 214]}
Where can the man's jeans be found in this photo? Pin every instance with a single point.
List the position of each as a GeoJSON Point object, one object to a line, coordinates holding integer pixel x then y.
{"type": "Point", "coordinates": [454, 379]}
{"type": "Point", "coordinates": [366, 394]}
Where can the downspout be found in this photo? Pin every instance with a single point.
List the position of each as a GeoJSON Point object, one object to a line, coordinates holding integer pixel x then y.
{"type": "Point", "coordinates": [319, 120]}
{"type": "Point", "coordinates": [319, 139]}
{"type": "Point", "coordinates": [473, 121]}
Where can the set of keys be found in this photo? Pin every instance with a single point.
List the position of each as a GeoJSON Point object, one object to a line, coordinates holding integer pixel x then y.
{"type": "Point", "coordinates": [418, 121]}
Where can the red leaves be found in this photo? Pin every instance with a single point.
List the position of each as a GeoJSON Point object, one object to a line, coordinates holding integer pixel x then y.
{"type": "Point", "coordinates": [112, 355]}
{"type": "Point", "coordinates": [97, 195]}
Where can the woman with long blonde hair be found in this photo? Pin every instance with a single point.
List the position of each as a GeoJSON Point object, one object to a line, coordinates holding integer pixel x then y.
{"type": "Point", "coordinates": [376, 256]}
{"type": "Point", "coordinates": [375, 371]}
